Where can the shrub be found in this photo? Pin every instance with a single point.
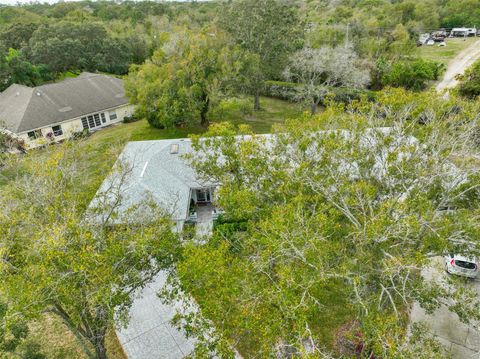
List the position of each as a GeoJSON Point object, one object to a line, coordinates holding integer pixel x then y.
{"type": "Point", "coordinates": [346, 95]}
{"type": "Point", "coordinates": [412, 75]}
{"type": "Point", "coordinates": [287, 91]}
{"type": "Point", "coordinates": [470, 82]}
{"type": "Point", "coordinates": [226, 230]}
{"type": "Point", "coordinates": [229, 107]}
{"type": "Point", "coordinates": [280, 89]}
{"type": "Point", "coordinates": [80, 134]}
{"type": "Point", "coordinates": [130, 118]}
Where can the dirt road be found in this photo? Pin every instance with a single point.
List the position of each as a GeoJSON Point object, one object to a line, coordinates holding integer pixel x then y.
{"type": "Point", "coordinates": [458, 66]}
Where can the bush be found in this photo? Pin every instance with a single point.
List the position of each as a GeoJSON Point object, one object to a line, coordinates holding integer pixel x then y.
{"type": "Point", "coordinates": [229, 107]}
{"type": "Point", "coordinates": [287, 91]}
{"type": "Point", "coordinates": [130, 118]}
{"type": "Point", "coordinates": [281, 89]}
{"type": "Point", "coordinates": [347, 95]}
{"type": "Point", "coordinates": [470, 82]}
{"type": "Point", "coordinates": [80, 134]}
{"type": "Point", "coordinates": [412, 75]}
{"type": "Point", "coordinates": [226, 230]}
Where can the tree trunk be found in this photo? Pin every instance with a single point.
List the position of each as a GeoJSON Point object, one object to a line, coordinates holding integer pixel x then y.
{"type": "Point", "coordinates": [313, 108]}
{"type": "Point", "coordinates": [256, 105]}
{"type": "Point", "coordinates": [79, 333]}
{"type": "Point", "coordinates": [204, 110]}
{"type": "Point", "coordinates": [99, 344]}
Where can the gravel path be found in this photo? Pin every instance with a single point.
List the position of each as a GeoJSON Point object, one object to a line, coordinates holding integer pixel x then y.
{"type": "Point", "coordinates": [458, 66]}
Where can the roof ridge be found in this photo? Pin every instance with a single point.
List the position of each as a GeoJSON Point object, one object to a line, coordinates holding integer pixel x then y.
{"type": "Point", "coordinates": [23, 107]}
{"type": "Point", "coordinates": [71, 79]}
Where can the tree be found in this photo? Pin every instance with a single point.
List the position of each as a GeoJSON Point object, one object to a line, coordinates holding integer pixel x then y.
{"type": "Point", "coordinates": [268, 29]}
{"type": "Point", "coordinates": [79, 266]}
{"type": "Point", "coordinates": [184, 78]}
{"type": "Point", "coordinates": [84, 46]}
{"type": "Point", "coordinates": [334, 218]}
{"type": "Point", "coordinates": [316, 70]}
{"type": "Point", "coordinates": [470, 82]}
{"type": "Point", "coordinates": [16, 69]}
{"type": "Point", "coordinates": [411, 74]}
{"type": "Point", "coordinates": [9, 142]}
{"type": "Point", "coordinates": [17, 35]}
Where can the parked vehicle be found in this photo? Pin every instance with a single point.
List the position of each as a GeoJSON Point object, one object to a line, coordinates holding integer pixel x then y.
{"type": "Point", "coordinates": [439, 36]}
{"type": "Point", "coordinates": [461, 265]}
{"type": "Point", "coordinates": [463, 32]}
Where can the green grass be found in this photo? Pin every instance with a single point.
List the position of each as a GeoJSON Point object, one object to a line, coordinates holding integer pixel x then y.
{"type": "Point", "coordinates": [445, 54]}
{"type": "Point", "coordinates": [66, 75]}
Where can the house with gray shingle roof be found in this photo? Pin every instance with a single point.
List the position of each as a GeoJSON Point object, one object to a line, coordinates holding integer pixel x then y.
{"type": "Point", "coordinates": [53, 112]}
{"type": "Point", "coordinates": [159, 171]}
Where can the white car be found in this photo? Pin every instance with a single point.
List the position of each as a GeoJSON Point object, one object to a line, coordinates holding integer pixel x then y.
{"type": "Point", "coordinates": [460, 265]}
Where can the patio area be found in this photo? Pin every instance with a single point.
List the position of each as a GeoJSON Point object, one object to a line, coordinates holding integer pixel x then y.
{"type": "Point", "coordinates": [204, 223]}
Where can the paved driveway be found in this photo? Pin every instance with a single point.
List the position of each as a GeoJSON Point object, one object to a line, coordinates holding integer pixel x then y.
{"type": "Point", "coordinates": [463, 341]}
{"type": "Point", "coordinates": [149, 335]}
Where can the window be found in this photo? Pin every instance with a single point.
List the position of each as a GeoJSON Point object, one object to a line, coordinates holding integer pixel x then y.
{"type": "Point", "coordinates": [97, 120]}
{"type": "Point", "coordinates": [91, 122]}
{"type": "Point", "coordinates": [34, 134]}
{"type": "Point", "coordinates": [466, 265]}
{"type": "Point", "coordinates": [112, 115]}
{"type": "Point", "coordinates": [84, 123]}
{"type": "Point", "coordinates": [57, 130]}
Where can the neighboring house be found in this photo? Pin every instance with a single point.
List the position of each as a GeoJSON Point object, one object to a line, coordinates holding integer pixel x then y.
{"type": "Point", "coordinates": [54, 112]}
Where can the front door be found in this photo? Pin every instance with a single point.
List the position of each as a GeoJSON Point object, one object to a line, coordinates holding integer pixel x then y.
{"type": "Point", "coordinates": [203, 195]}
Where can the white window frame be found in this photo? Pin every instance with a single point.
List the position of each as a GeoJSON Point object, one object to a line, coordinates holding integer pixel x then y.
{"type": "Point", "coordinates": [58, 132]}
{"type": "Point", "coordinates": [113, 115]}
{"type": "Point", "coordinates": [36, 134]}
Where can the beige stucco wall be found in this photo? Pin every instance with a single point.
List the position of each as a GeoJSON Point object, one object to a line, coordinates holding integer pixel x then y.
{"type": "Point", "coordinates": [75, 125]}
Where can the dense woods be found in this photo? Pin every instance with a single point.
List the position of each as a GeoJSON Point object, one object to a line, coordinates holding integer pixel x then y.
{"type": "Point", "coordinates": [326, 226]}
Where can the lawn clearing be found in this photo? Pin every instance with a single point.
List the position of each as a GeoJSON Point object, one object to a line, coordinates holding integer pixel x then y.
{"type": "Point", "coordinates": [56, 341]}
{"type": "Point", "coordinates": [444, 54]}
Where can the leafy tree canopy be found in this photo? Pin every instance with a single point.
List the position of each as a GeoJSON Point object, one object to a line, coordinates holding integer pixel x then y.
{"type": "Point", "coordinates": [81, 268]}
{"type": "Point", "coordinates": [335, 218]}
{"type": "Point", "coordinates": [185, 78]}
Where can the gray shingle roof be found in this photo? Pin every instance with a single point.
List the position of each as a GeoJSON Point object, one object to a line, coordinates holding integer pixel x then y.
{"type": "Point", "coordinates": [156, 172]}
{"type": "Point", "coordinates": [24, 108]}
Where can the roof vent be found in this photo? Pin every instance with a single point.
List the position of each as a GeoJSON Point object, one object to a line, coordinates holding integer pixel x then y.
{"type": "Point", "coordinates": [17, 94]}
{"type": "Point", "coordinates": [39, 94]}
{"type": "Point", "coordinates": [174, 148]}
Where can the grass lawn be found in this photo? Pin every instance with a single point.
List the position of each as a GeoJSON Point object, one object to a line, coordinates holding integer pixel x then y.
{"type": "Point", "coordinates": [446, 53]}
{"type": "Point", "coordinates": [56, 341]}
{"type": "Point", "coordinates": [99, 152]}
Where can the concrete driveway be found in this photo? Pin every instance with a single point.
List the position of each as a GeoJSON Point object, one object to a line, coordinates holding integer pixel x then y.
{"type": "Point", "coordinates": [461, 340]}
{"type": "Point", "coordinates": [149, 334]}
